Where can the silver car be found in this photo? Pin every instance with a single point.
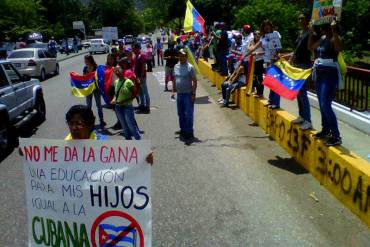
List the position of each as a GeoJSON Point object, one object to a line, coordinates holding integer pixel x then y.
{"type": "Point", "coordinates": [35, 62]}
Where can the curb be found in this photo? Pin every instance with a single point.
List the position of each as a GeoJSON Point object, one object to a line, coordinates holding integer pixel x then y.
{"type": "Point", "coordinates": [72, 56]}
{"type": "Point", "coordinates": [343, 173]}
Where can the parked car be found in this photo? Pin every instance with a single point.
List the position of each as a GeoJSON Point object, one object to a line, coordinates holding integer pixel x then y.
{"type": "Point", "coordinates": [44, 46]}
{"type": "Point", "coordinates": [86, 44]}
{"type": "Point", "coordinates": [34, 62]}
{"type": "Point", "coordinates": [21, 100]}
{"type": "Point", "coordinates": [98, 45]}
{"type": "Point", "coordinates": [129, 39]}
{"type": "Point", "coordinates": [6, 48]}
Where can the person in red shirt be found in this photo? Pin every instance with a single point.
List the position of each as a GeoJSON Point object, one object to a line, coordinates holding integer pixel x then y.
{"type": "Point", "coordinates": [140, 72]}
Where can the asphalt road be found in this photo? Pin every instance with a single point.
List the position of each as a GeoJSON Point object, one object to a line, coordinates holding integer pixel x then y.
{"type": "Point", "coordinates": [232, 187]}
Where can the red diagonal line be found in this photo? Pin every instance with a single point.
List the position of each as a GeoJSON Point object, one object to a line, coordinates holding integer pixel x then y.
{"type": "Point", "coordinates": [121, 235]}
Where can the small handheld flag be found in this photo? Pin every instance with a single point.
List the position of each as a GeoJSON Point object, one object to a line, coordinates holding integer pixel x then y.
{"type": "Point", "coordinates": [104, 78]}
{"type": "Point", "coordinates": [286, 80]}
{"type": "Point", "coordinates": [193, 22]}
{"type": "Point", "coordinates": [82, 85]}
{"type": "Point", "coordinates": [191, 60]}
{"type": "Point", "coordinates": [250, 74]}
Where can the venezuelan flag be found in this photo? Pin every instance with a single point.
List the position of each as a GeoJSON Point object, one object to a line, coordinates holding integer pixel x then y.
{"type": "Point", "coordinates": [286, 80]}
{"type": "Point", "coordinates": [104, 76]}
{"type": "Point", "coordinates": [193, 22]}
{"type": "Point", "coordinates": [82, 85]}
{"type": "Point", "coordinates": [192, 60]}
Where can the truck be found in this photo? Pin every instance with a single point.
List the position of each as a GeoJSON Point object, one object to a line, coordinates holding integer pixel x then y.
{"type": "Point", "coordinates": [110, 34]}
{"type": "Point", "coordinates": [21, 101]}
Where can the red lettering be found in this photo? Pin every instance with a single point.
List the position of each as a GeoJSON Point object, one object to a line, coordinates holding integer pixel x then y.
{"type": "Point", "coordinates": [36, 152]}
{"type": "Point", "coordinates": [91, 155]}
{"type": "Point", "coordinates": [70, 154]}
{"type": "Point", "coordinates": [28, 153]}
{"type": "Point", "coordinates": [112, 155]}
{"type": "Point", "coordinates": [122, 154]}
{"type": "Point", "coordinates": [103, 158]}
{"type": "Point", "coordinates": [50, 154]}
{"type": "Point", "coordinates": [133, 155]}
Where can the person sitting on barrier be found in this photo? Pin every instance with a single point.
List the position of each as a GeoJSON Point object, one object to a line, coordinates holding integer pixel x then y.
{"type": "Point", "coordinates": [327, 77]}
{"type": "Point", "coordinates": [233, 82]}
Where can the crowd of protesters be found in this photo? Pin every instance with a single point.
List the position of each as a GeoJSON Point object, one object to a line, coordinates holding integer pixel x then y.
{"type": "Point", "coordinates": [230, 51]}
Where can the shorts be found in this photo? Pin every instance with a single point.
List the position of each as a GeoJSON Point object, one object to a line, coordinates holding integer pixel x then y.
{"type": "Point", "coordinates": [169, 74]}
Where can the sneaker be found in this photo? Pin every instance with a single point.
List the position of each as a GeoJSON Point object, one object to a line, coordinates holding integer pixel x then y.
{"type": "Point", "coordinates": [299, 120]}
{"type": "Point", "coordinates": [321, 135]}
{"type": "Point", "coordinates": [333, 141]}
{"type": "Point", "coordinates": [306, 125]}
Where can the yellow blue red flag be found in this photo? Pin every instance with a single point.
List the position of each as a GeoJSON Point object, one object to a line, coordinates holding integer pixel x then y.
{"type": "Point", "coordinates": [193, 22]}
{"type": "Point", "coordinates": [82, 85]}
{"type": "Point", "coordinates": [286, 80]}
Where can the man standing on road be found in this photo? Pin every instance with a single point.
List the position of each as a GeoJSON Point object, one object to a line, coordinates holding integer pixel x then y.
{"type": "Point", "coordinates": [140, 72]}
{"type": "Point", "coordinates": [159, 50]}
{"type": "Point", "coordinates": [170, 55]}
{"type": "Point", "coordinates": [185, 84]}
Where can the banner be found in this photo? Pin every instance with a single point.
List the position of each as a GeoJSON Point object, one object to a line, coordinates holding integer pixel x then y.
{"type": "Point", "coordinates": [325, 11]}
{"type": "Point", "coordinates": [87, 193]}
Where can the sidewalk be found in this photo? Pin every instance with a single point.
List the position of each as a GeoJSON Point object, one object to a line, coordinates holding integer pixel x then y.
{"type": "Point", "coordinates": [62, 57]}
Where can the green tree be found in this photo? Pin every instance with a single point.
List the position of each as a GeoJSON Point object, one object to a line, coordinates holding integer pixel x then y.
{"type": "Point", "coordinates": [19, 17]}
{"type": "Point", "coordinates": [283, 15]}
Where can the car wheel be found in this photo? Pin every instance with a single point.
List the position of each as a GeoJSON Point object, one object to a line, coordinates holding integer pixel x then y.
{"type": "Point", "coordinates": [56, 72]}
{"type": "Point", "coordinates": [40, 108]}
{"type": "Point", "coordinates": [42, 75]}
{"type": "Point", "coordinates": [8, 139]}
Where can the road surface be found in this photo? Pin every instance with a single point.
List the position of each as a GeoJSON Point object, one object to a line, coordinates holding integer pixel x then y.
{"type": "Point", "coordinates": [232, 187]}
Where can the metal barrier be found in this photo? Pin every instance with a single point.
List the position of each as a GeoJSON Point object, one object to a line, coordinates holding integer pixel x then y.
{"type": "Point", "coordinates": [356, 92]}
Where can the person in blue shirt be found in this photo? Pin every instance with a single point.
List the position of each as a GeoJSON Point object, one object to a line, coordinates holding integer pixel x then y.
{"type": "Point", "coordinates": [159, 50]}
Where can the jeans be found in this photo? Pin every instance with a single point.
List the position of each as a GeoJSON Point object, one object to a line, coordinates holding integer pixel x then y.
{"type": "Point", "coordinates": [159, 57]}
{"type": "Point", "coordinates": [223, 61]}
{"type": "Point", "coordinates": [274, 98]}
{"type": "Point", "coordinates": [144, 94]}
{"type": "Point", "coordinates": [126, 117]}
{"type": "Point", "coordinates": [258, 77]}
{"type": "Point", "coordinates": [228, 88]}
{"type": "Point", "coordinates": [326, 86]}
{"type": "Point", "coordinates": [96, 94]}
{"type": "Point", "coordinates": [75, 48]}
{"type": "Point", "coordinates": [304, 103]}
{"type": "Point", "coordinates": [185, 110]}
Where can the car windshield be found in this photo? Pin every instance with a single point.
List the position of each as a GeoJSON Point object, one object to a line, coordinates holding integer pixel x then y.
{"type": "Point", "coordinates": [21, 54]}
{"type": "Point", "coordinates": [96, 41]}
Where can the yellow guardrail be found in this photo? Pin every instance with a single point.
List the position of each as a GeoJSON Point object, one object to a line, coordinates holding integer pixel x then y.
{"type": "Point", "coordinates": [342, 172]}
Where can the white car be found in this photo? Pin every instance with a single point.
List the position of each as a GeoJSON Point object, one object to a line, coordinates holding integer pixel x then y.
{"type": "Point", "coordinates": [98, 45]}
{"type": "Point", "coordinates": [35, 62]}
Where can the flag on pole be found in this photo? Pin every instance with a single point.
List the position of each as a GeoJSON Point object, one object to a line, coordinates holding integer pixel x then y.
{"type": "Point", "coordinates": [191, 60]}
{"type": "Point", "coordinates": [82, 85]}
{"type": "Point", "coordinates": [286, 80]}
{"type": "Point", "coordinates": [250, 74]}
{"type": "Point", "coordinates": [193, 22]}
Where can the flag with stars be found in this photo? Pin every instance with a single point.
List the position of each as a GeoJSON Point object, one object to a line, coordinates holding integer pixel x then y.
{"type": "Point", "coordinates": [285, 80]}
{"type": "Point", "coordinates": [113, 236]}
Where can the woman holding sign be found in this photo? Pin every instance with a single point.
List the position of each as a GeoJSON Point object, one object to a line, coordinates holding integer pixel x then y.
{"type": "Point", "coordinates": [326, 73]}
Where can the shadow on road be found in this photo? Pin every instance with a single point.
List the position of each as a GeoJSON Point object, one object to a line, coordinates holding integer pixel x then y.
{"type": "Point", "coordinates": [288, 164]}
{"type": "Point", "coordinates": [202, 100]}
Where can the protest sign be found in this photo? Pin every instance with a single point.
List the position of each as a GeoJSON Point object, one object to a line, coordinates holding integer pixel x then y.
{"type": "Point", "coordinates": [325, 11]}
{"type": "Point", "coordinates": [87, 193]}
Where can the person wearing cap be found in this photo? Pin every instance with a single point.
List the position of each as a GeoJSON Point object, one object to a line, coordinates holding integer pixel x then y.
{"type": "Point", "coordinates": [185, 85]}
{"type": "Point", "coordinates": [222, 48]}
{"type": "Point", "coordinates": [247, 36]}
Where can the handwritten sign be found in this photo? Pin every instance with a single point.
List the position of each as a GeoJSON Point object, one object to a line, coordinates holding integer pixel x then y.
{"type": "Point", "coordinates": [325, 11]}
{"type": "Point", "coordinates": [87, 193]}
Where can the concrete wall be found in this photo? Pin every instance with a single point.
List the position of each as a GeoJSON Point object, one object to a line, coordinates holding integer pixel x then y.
{"type": "Point", "coordinates": [339, 170]}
